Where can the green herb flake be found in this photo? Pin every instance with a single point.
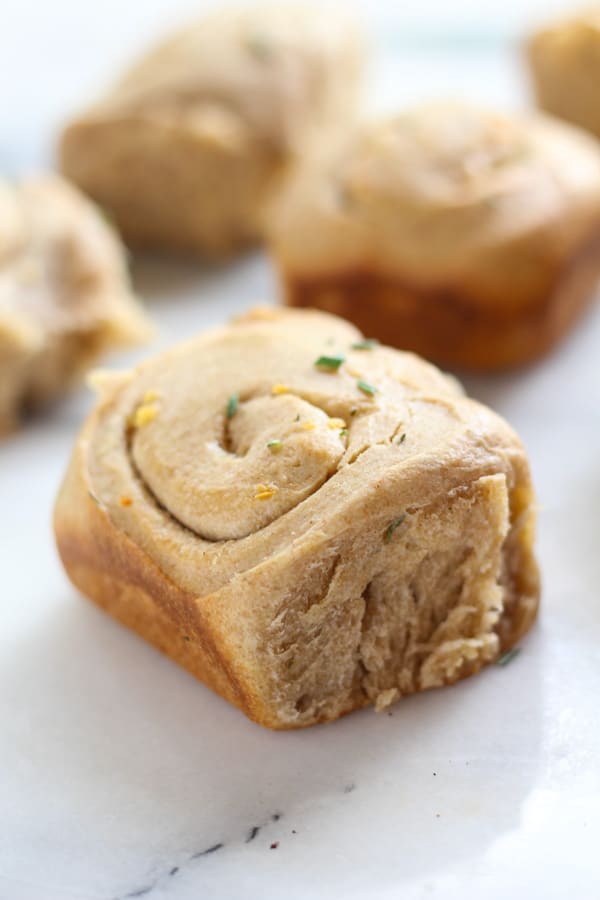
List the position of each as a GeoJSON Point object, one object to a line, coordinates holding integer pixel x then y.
{"type": "Point", "coordinates": [331, 363]}
{"type": "Point", "coordinates": [508, 656]}
{"type": "Point", "coordinates": [297, 419]}
{"type": "Point", "coordinates": [232, 405]}
{"type": "Point", "coordinates": [259, 46]}
{"type": "Point", "coordinates": [354, 410]}
{"type": "Point", "coordinates": [342, 195]}
{"type": "Point", "coordinates": [401, 439]}
{"type": "Point", "coordinates": [275, 445]}
{"type": "Point", "coordinates": [344, 432]}
{"type": "Point", "coordinates": [107, 214]}
{"type": "Point", "coordinates": [366, 388]}
{"type": "Point", "coordinates": [387, 536]}
{"type": "Point", "coordinates": [521, 153]}
{"type": "Point", "coordinates": [367, 344]}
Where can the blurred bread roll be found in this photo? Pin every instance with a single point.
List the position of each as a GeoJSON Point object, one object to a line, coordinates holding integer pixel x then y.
{"type": "Point", "coordinates": [185, 147]}
{"type": "Point", "coordinates": [469, 236]}
{"type": "Point", "coordinates": [564, 58]}
{"type": "Point", "coordinates": [64, 293]}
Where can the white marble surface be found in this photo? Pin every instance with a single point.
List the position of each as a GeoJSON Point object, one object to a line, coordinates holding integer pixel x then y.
{"type": "Point", "coordinates": [118, 771]}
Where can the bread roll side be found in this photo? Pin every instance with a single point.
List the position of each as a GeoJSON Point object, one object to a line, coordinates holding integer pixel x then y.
{"type": "Point", "coordinates": [450, 326]}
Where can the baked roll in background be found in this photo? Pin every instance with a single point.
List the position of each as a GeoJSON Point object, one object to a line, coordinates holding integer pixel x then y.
{"type": "Point", "coordinates": [308, 522]}
{"type": "Point", "coordinates": [64, 293]}
{"type": "Point", "coordinates": [564, 59]}
{"type": "Point", "coordinates": [468, 236]}
{"type": "Point", "coordinates": [185, 147]}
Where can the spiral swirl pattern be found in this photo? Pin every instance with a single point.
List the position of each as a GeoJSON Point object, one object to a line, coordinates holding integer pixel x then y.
{"type": "Point", "coordinates": [307, 520]}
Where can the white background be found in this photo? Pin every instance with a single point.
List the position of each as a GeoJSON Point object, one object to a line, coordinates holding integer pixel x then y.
{"type": "Point", "coordinates": [117, 767]}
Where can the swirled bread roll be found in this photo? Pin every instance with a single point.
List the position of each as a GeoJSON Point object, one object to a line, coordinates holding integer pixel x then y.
{"type": "Point", "coordinates": [185, 147]}
{"type": "Point", "coordinates": [306, 521]}
{"type": "Point", "coordinates": [468, 236]}
{"type": "Point", "coordinates": [64, 293]}
{"type": "Point", "coordinates": [564, 58]}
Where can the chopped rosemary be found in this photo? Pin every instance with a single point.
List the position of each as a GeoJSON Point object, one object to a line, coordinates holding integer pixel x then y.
{"type": "Point", "coordinates": [508, 656]}
{"type": "Point", "coordinates": [232, 405]}
{"type": "Point", "coordinates": [275, 445]}
{"type": "Point", "coordinates": [366, 388]}
{"type": "Point", "coordinates": [367, 344]}
{"type": "Point", "coordinates": [387, 536]}
{"type": "Point", "coordinates": [332, 363]}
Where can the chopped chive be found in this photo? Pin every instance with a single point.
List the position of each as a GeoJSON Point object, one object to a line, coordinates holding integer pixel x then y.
{"type": "Point", "coordinates": [366, 388]}
{"type": "Point", "coordinates": [259, 46]}
{"type": "Point", "coordinates": [402, 438]}
{"type": "Point", "coordinates": [342, 196]}
{"type": "Point", "coordinates": [367, 344]}
{"type": "Point", "coordinates": [107, 214]}
{"type": "Point", "coordinates": [344, 432]}
{"type": "Point", "coordinates": [330, 362]}
{"type": "Point", "coordinates": [508, 656]}
{"type": "Point", "coordinates": [275, 445]}
{"type": "Point", "coordinates": [387, 536]}
{"type": "Point", "coordinates": [232, 405]}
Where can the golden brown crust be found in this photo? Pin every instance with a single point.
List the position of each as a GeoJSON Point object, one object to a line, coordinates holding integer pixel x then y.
{"type": "Point", "coordinates": [112, 571]}
{"type": "Point", "coordinates": [465, 235]}
{"type": "Point", "coordinates": [564, 60]}
{"type": "Point", "coordinates": [410, 567]}
{"type": "Point", "coordinates": [450, 327]}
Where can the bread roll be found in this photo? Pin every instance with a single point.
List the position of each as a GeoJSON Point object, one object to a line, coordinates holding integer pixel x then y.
{"type": "Point", "coordinates": [64, 293]}
{"type": "Point", "coordinates": [470, 237]}
{"type": "Point", "coordinates": [185, 147]}
{"type": "Point", "coordinates": [307, 522]}
{"type": "Point", "coordinates": [564, 58]}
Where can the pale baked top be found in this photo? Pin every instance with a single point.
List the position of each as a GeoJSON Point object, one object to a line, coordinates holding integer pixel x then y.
{"type": "Point", "coordinates": [444, 194]}
{"type": "Point", "coordinates": [268, 70]}
{"type": "Point", "coordinates": [278, 431]}
{"type": "Point", "coordinates": [571, 36]}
